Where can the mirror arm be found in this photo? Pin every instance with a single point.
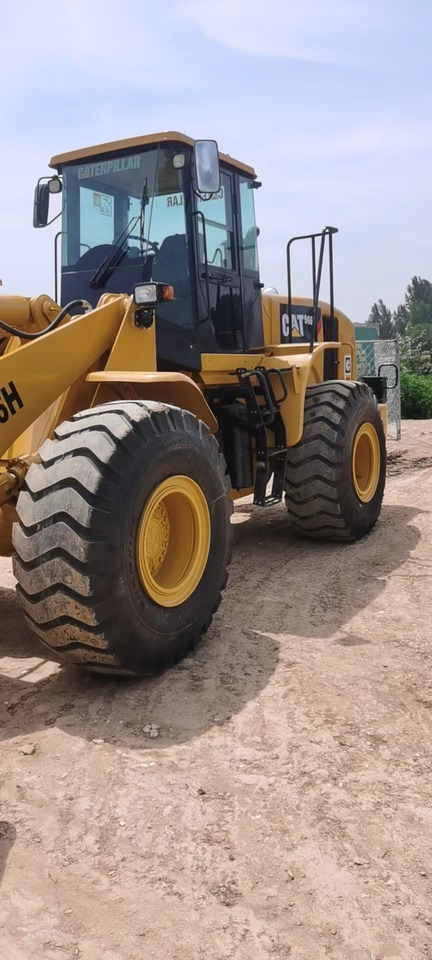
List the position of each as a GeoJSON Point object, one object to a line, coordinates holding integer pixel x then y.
{"type": "Point", "coordinates": [54, 218]}
{"type": "Point", "coordinates": [204, 196]}
{"type": "Point", "coordinates": [38, 201]}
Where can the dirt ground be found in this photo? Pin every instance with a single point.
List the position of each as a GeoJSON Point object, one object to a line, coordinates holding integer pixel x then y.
{"type": "Point", "coordinates": [284, 809]}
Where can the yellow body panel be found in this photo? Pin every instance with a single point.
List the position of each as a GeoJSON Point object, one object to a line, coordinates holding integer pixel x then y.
{"type": "Point", "coordinates": [134, 348]}
{"type": "Point", "coordinates": [15, 311]}
{"type": "Point", "coordinates": [383, 409]}
{"type": "Point", "coordinates": [300, 370]}
{"type": "Point", "coordinates": [168, 387]}
{"type": "Point", "coordinates": [103, 355]}
{"type": "Point", "coordinates": [40, 371]}
{"type": "Point", "coordinates": [134, 143]}
{"type": "Point", "coordinates": [49, 391]}
{"type": "Point", "coordinates": [272, 330]}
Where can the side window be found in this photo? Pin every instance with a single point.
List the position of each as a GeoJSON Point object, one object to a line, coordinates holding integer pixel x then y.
{"type": "Point", "coordinates": [167, 217]}
{"type": "Point", "coordinates": [219, 227]}
{"type": "Point", "coordinates": [249, 231]}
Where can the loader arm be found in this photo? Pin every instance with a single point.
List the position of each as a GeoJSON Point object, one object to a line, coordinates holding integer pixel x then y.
{"type": "Point", "coordinates": [35, 374]}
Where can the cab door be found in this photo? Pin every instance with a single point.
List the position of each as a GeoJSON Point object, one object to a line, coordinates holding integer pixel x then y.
{"type": "Point", "coordinates": [249, 268]}
{"type": "Point", "coordinates": [220, 302]}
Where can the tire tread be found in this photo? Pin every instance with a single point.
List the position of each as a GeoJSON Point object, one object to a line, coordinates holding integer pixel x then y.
{"type": "Point", "coordinates": [61, 538]}
{"type": "Point", "coordinates": [315, 480]}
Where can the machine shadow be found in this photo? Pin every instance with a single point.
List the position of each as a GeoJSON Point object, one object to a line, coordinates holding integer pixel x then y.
{"type": "Point", "coordinates": [279, 586]}
{"type": "Point", "coordinates": [7, 840]}
{"type": "Point", "coordinates": [312, 588]}
{"type": "Point", "coordinates": [229, 668]}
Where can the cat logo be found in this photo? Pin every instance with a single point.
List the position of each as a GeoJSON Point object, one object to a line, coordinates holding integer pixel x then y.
{"type": "Point", "coordinates": [301, 320]}
{"type": "Point", "coordinates": [109, 166]}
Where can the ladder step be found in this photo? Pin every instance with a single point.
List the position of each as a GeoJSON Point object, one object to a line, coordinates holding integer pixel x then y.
{"type": "Point", "coordinates": [278, 485]}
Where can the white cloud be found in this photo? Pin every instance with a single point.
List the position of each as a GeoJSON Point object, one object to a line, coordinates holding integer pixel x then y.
{"type": "Point", "coordinates": [372, 182]}
{"type": "Point", "coordinates": [26, 254]}
{"type": "Point", "coordinates": [382, 139]}
{"type": "Point", "coordinates": [87, 42]}
{"type": "Point", "coordinates": [338, 154]}
{"type": "Point", "coordinates": [96, 70]}
{"type": "Point", "coordinates": [326, 31]}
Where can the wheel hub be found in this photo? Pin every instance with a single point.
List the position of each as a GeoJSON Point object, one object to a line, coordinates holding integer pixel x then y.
{"type": "Point", "coordinates": [366, 462]}
{"type": "Point", "coordinates": [173, 541]}
{"type": "Point", "coordinates": [157, 538]}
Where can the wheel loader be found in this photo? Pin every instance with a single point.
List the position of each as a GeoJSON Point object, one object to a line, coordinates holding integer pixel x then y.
{"type": "Point", "coordinates": [161, 384]}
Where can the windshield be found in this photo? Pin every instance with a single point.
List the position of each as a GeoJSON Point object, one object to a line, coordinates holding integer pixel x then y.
{"type": "Point", "coordinates": [137, 202]}
{"type": "Point", "coordinates": [102, 197]}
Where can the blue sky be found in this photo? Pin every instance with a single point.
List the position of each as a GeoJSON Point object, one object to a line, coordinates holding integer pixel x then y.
{"type": "Point", "coordinates": [329, 100]}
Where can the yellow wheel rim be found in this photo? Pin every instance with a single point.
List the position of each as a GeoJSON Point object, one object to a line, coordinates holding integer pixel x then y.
{"type": "Point", "coordinates": [366, 462]}
{"type": "Point", "coordinates": [173, 541]}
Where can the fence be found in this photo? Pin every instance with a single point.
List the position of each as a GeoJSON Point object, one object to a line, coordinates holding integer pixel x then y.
{"type": "Point", "coordinates": [381, 358]}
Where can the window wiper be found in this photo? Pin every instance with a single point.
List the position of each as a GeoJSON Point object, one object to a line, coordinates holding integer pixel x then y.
{"type": "Point", "coordinates": [113, 258]}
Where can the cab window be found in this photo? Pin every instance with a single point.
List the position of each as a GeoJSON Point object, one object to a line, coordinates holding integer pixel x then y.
{"type": "Point", "coordinates": [219, 227]}
{"type": "Point", "coordinates": [96, 218]}
{"type": "Point", "coordinates": [137, 201]}
{"type": "Point", "coordinates": [249, 231]}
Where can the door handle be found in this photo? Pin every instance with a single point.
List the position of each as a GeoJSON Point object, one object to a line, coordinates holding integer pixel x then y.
{"type": "Point", "coordinates": [220, 279]}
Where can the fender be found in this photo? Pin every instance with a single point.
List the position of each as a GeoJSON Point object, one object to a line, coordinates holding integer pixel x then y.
{"type": "Point", "coordinates": [175, 388]}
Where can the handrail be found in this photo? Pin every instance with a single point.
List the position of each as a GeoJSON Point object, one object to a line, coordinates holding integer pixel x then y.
{"type": "Point", "coordinates": [199, 213]}
{"type": "Point", "coordinates": [316, 277]}
{"type": "Point", "coordinates": [59, 234]}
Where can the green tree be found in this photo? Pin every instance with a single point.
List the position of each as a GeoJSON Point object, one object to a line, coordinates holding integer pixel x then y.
{"type": "Point", "coordinates": [400, 319]}
{"type": "Point", "coordinates": [413, 316]}
{"type": "Point", "coordinates": [411, 322]}
{"type": "Point", "coordinates": [416, 350]}
{"type": "Point", "coordinates": [416, 390]}
{"type": "Point", "coordinates": [417, 308]}
{"type": "Point", "coordinates": [420, 333]}
{"type": "Point", "coordinates": [419, 291]}
{"type": "Point", "coordinates": [382, 317]}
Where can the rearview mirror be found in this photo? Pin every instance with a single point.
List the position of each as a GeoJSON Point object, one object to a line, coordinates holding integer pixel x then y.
{"type": "Point", "coordinates": [41, 205]}
{"type": "Point", "coordinates": [207, 166]}
{"type": "Point", "coordinates": [42, 199]}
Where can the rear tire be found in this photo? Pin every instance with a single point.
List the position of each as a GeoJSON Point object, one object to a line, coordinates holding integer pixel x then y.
{"type": "Point", "coordinates": [335, 476]}
{"type": "Point", "coordinates": [81, 557]}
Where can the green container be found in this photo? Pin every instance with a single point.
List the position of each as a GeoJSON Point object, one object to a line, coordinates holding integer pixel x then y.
{"type": "Point", "coordinates": [366, 331]}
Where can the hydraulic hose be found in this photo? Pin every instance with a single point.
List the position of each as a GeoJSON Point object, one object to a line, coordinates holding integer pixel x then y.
{"type": "Point", "coordinates": [52, 326]}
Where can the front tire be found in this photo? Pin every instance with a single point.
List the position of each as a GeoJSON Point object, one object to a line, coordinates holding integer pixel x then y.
{"type": "Point", "coordinates": [124, 537]}
{"type": "Point", "coordinates": [335, 475]}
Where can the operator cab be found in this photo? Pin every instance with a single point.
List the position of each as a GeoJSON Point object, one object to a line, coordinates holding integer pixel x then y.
{"type": "Point", "coordinates": [167, 209]}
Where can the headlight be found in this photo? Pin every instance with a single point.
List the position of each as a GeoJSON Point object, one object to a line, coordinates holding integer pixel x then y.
{"type": "Point", "coordinates": [55, 185]}
{"type": "Point", "coordinates": [149, 294]}
{"type": "Point", "coordinates": [145, 293]}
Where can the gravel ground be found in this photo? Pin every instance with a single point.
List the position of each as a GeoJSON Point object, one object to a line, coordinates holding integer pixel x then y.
{"type": "Point", "coordinates": [267, 798]}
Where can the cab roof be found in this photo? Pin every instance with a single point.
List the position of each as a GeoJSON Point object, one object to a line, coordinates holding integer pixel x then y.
{"type": "Point", "coordinates": [133, 143]}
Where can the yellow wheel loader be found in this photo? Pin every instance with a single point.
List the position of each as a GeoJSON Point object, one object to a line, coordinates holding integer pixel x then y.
{"type": "Point", "coordinates": [164, 384]}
